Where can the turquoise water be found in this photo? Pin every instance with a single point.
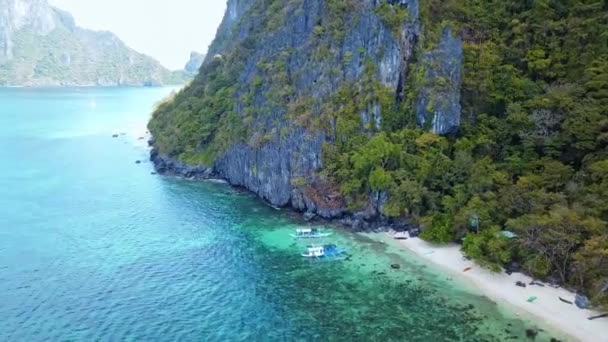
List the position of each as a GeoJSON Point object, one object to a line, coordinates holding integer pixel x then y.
{"type": "Point", "coordinates": [95, 247]}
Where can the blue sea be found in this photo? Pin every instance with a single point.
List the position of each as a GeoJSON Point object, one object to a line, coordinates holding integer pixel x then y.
{"type": "Point", "coordinates": [95, 247]}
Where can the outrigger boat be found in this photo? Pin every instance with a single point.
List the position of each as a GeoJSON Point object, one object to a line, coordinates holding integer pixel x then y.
{"type": "Point", "coordinates": [325, 252]}
{"type": "Point", "coordinates": [312, 233]}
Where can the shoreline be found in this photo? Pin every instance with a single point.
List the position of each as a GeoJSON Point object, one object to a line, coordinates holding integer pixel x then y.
{"type": "Point", "coordinates": [568, 320]}
{"type": "Point", "coordinates": [500, 287]}
{"type": "Point", "coordinates": [313, 211]}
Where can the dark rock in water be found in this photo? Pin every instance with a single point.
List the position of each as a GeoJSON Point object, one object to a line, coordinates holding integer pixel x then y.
{"type": "Point", "coordinates": [140, 138]}
{"type": "Point", "coordinates": [553, 339]}
{"type": "Point", "coordinates": [114, 135]}
{"type": "Point", "coordinates": [166, 165]}
{"type": "Point", "coordinates": [153, 173]}
{"type": "Point", "coordinates": [395, 266]}
{"type": "Point", "coordinates": [308, 216]}
{"type": "Point", "coordinates": [531, 333]}
{"type": "Point", "coordinates": [138, 162]}
{"type": "Point", "coordinates": [151, 142]}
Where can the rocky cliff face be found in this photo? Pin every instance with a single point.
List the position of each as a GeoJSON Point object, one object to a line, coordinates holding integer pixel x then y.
{"type": "Point", "coordinates": [41, 46]}
{"type": "Point", "coordinates": [295, 61]}
{"type": "Point", "coordinates": [15, 15]}
{"type": "Point", "coordinates": [438, 103]}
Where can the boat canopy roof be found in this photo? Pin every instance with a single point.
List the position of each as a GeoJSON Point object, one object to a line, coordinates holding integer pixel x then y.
{"type": "Point", "coordinates": [304, 231]}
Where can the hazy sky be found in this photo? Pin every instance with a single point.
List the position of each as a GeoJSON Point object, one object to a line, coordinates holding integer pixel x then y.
{"type": "Point", "coordinates": [167, 30]}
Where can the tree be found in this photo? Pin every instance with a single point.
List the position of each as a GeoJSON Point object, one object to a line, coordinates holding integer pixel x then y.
{"type": "Point", "coordinates": [554, 236]}
{"type": "Point", "coordinates": [488, 247]}
{"type": "Point", "coordinates": [591, 265]}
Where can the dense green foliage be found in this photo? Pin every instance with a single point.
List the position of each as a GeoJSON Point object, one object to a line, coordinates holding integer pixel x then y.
{"type": "Point", "coordinates": [200, 121]}
{"type": "Point", "coordinates": [530, 155]}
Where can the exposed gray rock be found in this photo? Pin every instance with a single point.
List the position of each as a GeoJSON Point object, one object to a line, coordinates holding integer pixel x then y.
{"type": "Point", "coordinates": [438, 106]}
{"type": "Point", "coordinates": [268, 169]}
{"type": "Point", "coordinates": [308, 216]}
{"type": "Point", "coordinates": [166, 165]}
{"type": "Point", "coordinates": [297, 200]}
{"type": "Point", "coordinates": [15, 15]}
{"type": "Point", "coordinates": [195, 62]}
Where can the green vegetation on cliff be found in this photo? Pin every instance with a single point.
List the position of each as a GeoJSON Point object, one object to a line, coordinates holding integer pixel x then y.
{"type": "Point", "coordinates": [530, 155]}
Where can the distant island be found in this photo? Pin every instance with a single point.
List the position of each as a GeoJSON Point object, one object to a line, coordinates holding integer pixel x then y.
{"type": "Point", "coordinates": [195, 62]}
{"type": "Point", "coordinates": [41, 46]}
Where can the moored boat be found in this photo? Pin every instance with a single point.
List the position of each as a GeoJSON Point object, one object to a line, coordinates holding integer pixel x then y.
{"type": "Point", "coordinates": [309, 233]}
{"type": "Point", "coordinates": [327, 251]}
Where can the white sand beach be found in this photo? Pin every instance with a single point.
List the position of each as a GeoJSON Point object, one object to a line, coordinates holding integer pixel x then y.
{"type": "Point", "coordinates": [500, 287]}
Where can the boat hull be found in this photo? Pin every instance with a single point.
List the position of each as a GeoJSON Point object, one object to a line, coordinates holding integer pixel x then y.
{"type": "Point", "coordinates": [316, 236]}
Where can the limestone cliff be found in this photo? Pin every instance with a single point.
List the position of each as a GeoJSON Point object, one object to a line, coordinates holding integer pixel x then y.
{"type": "Point", "coordinates": [283, 79]}
{"type": "Point", "coordinates": [41, 46]}
{"type": "Point", "coordinates": [352, 109]}
{"type": "Point", "coordinates": [438, 104]}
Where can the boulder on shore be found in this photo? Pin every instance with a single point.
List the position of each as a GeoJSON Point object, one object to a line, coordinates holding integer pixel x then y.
{"type": "Point", "coordinates": [309, 216]}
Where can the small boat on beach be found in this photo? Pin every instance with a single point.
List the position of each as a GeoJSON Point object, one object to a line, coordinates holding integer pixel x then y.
{"type": "Point", "coordinates": [309, 233]}
{"type": "Point", "coordinates": [324, 252]}
{"type": "Point", "coordinates": [401, 236]}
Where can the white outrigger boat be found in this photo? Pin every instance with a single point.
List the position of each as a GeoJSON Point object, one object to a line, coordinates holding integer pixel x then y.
{"type": "Point", "coordinates": [325, 252]}
{"type": "Point", "coordinates": [309, 233]}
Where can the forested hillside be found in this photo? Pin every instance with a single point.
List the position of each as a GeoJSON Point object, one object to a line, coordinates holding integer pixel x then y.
{"type": "Point", "coordinates": [42, 46]}
{"type": "Point", "coordinates": [466, 116]}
